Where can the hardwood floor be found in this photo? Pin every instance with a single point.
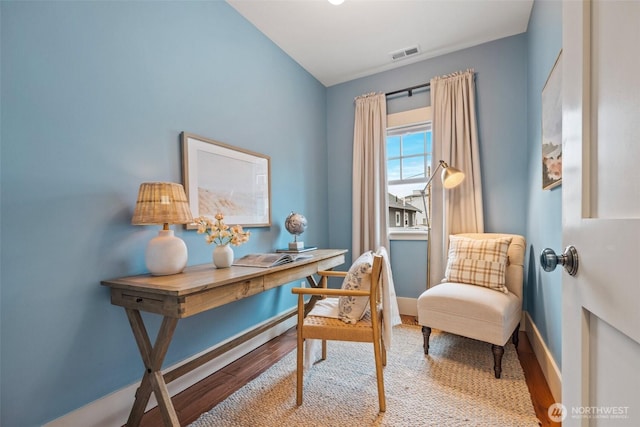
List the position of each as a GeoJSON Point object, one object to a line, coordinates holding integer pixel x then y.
{"type": "Point", "coordinates": [204, 395]}
{"type": "Point", "coordinates": [541, 396]}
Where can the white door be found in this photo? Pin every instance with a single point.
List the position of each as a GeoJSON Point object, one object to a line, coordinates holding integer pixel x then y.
{"type": "Point", "coordinates": [601, 212]}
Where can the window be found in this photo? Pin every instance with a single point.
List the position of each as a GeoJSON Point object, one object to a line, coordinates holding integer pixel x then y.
{"type": "Point", "coordinates": [408, 166]}
{"type": "Point", "coordinates": [409, 160]}
{"type": "Point", "coordinates": [408, 154]}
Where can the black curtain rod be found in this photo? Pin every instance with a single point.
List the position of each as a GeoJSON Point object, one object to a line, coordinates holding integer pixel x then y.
{"type": "Point", "coordinates": [409, 89]}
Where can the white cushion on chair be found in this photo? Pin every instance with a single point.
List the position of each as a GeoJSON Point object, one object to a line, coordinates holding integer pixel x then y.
{"type": "Point", "coordinates": [327, 307]}
{"type": "Point", "coordinates": [472, 311]}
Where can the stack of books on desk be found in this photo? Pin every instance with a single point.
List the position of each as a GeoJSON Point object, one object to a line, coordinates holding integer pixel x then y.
{"type": "Point", "coordinates": [296, 251]}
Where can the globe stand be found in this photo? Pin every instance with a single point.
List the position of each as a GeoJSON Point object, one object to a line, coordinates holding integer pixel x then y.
{"type": "Point", "coordinates": [295, 245]}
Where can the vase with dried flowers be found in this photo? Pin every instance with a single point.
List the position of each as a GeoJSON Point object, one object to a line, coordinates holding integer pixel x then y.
{"type": "Point", "coordinates": [222, 235]}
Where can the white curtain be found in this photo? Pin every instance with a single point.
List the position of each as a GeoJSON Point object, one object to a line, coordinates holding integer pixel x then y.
{"type": "Point", "coordinates": [455, 140]}
{"type": "Point", "coordinates": [369, 209]}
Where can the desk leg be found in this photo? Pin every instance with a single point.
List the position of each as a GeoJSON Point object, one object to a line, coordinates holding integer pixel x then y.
{"type": "Point", "coordinates": [152, 380]}
{"type": "Point", "coordinates": [312, 301]}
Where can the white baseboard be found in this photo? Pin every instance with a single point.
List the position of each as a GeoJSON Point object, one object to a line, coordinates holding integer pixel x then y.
{"type": "Point", "coordinates": [545, 358]}
{"type": "Point", "coordinates": [408, 306]}
{"type": "Point", "coordinates": [113, 409]}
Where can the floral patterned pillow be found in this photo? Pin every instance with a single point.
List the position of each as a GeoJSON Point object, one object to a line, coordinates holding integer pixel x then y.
{"type": "Point", "coordinates": [351, 309]}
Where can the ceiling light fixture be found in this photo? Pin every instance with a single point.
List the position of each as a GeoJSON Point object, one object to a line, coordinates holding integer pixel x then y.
{"type": "Point", "coordinates": [336, 2]}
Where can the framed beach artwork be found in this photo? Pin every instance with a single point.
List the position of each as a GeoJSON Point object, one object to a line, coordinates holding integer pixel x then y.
{"type": "Point", "coordinates": [552, 127]}
{"type": "Point", "coordinates": [219, 178]}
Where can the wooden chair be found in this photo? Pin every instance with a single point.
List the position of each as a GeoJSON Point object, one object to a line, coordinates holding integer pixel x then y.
{"type": "Point", "coordinates": [368, 329]}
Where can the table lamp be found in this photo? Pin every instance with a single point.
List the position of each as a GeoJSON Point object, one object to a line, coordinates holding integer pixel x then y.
{"type": "Point", "coordinates": [163, 203]}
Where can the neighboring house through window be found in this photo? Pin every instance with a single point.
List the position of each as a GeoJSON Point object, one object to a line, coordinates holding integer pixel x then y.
{"type": "Point", "coordinates": [409, 161]}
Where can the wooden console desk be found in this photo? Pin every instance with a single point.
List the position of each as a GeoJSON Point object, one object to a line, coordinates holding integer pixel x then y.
{"type": "Point", "coordinates": [197, 289]}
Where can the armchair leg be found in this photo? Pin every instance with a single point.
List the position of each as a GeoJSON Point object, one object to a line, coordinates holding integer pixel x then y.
{"type": "Point", "coordinates": [498, 351]}
{"type": "Point", "coordinates": [426, 332]}
{"type": "Point", "coordinates": [515, 338]}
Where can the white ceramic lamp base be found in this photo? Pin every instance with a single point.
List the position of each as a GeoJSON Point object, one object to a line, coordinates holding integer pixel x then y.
{"type": "Point", "coordinates": [166, 254]}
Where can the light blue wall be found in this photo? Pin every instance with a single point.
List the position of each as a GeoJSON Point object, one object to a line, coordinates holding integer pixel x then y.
{"type": "Point", "coordinates": [501, 87]}
{"type": "Point", "coordinates": [544, 212]}
{"type": "Point", "coordinates": [94, 97]}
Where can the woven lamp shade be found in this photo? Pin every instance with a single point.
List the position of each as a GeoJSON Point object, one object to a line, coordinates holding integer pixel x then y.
{"type": "Point", "coordinates": [161, 203]}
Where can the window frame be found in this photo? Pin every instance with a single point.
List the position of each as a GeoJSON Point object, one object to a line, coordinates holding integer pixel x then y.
{"type": "Point", "coordinates": [408, 119]}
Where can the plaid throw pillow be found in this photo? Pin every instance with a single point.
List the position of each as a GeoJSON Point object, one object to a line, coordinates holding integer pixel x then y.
{"type": "Point", "coordinates": [479, 262]}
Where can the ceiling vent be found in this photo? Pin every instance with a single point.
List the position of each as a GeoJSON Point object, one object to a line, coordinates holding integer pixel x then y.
{"type": "Point", "coordinates": [405, 53]}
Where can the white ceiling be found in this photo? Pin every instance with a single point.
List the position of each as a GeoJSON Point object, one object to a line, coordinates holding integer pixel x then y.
{"type": "Point", "coordinates": [341, 43]}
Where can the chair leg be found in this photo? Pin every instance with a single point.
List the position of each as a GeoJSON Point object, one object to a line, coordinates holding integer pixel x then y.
{"type": "Point", "coordinates": [515, 338]}
{"type": "Point", "coordinates": [377, 353]}
{"type": "Point", "coordinates": [299, 371]}
{"type": "Point", "coordinates": [426, 332]}
{"type": "Point", "coordinates": [498, 351]}
{"type": "Point", "coordinates": [300, 351]}
{"type": "Point", "coordinates": [384, 353]}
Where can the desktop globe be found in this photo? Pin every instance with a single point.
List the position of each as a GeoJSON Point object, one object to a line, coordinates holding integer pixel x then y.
{"type": "Point", "coordinates": [295, 224]}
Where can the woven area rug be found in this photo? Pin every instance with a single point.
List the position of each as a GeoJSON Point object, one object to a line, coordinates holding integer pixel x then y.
{"type": "Point", "coordinates": [452, 386]}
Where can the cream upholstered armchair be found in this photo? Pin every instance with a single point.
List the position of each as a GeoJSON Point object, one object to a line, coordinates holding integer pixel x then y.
{"type": "Point", "coordinates": [481, 295]}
